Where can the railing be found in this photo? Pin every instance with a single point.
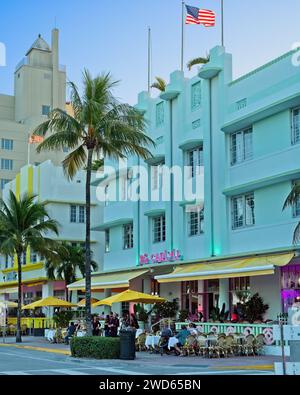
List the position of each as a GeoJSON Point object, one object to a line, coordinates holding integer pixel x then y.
{"type": "Point", "coordinates": [33, 323]}
{"type": "Point", "coordinates": [246, 329]}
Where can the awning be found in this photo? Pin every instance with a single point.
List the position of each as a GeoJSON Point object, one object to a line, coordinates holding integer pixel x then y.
{"type": "Point", "coordinates": [109, 280]}
{"type": "Point", "coordinates": [247, 267]}
{"type": "Point", "coordinates": [8, 290]}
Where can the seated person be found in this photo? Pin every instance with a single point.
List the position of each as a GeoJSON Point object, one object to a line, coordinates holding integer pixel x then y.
{"type": "Point", "coordinates": [70, 332]}
{"type": "Point", "coordinates": [193, 329]}
{"type": "Point", "coordinates": [182, 336]}
{"type": "Point", "coordinates": [166, 333]}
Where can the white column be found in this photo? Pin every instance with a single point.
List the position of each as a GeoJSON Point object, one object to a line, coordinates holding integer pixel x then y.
{"type": "Point", "coordinates": [224, 293]}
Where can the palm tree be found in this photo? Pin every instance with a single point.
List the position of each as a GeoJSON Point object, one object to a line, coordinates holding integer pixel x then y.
{"type": "Point", "coordinates": [100, 126]}
{"type": "Point", "coordinates": [293, 199]}
{"type": "Point", "coordinates": [24, 223]}
{"type": "Point", "coordinates": [196, 61]}
{"type": "Point", "coordinates": [69, 260]}
{"type": "Point", "coordinates": [159, 84]}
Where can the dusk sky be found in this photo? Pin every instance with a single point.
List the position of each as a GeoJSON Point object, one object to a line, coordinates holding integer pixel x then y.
{"type": "Point", "coordinates": [106, 35]}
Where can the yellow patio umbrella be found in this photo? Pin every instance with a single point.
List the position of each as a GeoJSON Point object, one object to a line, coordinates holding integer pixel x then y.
{"type": "Point", "coordinates": [50, 301]}
{"type": "Point", "coordinates": [130, 296]}
{"type": "Point", "coordinates": [8, 304]}
{"type": "Point", "coordinates": [82, 302]}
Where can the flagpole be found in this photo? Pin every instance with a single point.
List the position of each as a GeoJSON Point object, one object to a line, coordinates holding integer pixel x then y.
{"type": "Point", "coordinates": [149, 59]}
{"type": "Point", "coordinates": [222, 23]}
{"type": "Point", "coordinates": [182, 36]}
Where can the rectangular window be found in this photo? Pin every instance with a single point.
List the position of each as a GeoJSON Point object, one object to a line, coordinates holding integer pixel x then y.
{"type": "Point", "coordinates": [106, 195]}
{"type": "Point", "coordinates": [4, 182]}
{"type": "Point", "coordinates": [45, 110]}
{"type": "Point", "coordinates": [195, 160]}
{"type": "Point", "coordinates": [107, 240]}
{"type": "Point", "coordinates": [6, 164]}
{"type": "Point", "coordinates": [241, 146]}
{"type": "Point", "coordinates": [243, 211]}
{"type": "Point", "coordinates": [196, 222]}
{"type": "Point", "coordinates": [159, 229]}
{"type": "Point", "coordinates": [33, 257]}
{"type": "Point", "coordinates": [128, 236]}
{"type": "Point", "coordinates": [77, 214]}
{"type": "Point", "coordinates": [81, 215]}
{"type": "Point", "coordinates": [196, 95]}
{"type": "Point", "coordinates": [296, 126]}
{"type": "Point", "coordinates": [160, 116]}
{"type": "Point", "coordinates": [7, 144]}
{"type": "Point", "coordinates": [73, 214]}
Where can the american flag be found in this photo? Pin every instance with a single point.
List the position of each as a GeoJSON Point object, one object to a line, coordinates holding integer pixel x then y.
{"type": "Point", "coordinates": [196, 16]}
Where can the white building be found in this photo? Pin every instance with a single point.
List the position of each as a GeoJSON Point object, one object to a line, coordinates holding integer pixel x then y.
{"type": "Point", "coordinates": [39, 86]}
{"type": "Point", "coordinates": [65, 202]}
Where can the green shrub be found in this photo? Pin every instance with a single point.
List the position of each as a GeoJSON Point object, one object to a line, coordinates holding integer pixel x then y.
{"type": "Point", "coordinates": [95, 347]}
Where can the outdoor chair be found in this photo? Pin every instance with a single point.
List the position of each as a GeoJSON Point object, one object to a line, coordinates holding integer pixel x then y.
{"type": "Point", "coordinates": [259, 344]}
{"type": "Point", "coordinates": [24, 329]}
{"type": "Point", "coordinates": [201, 346]}
{"type": "Point", "coordinates": [230, 346]}
{"type": "Point", "coordinates": [12, 330]}
{"type": "Point", "coordinates": [140, 342]}
{"type": "Point", "coordinates": [163, 345]}
{"type": "Point", "coordinates": [190, 346]}
{"type": "Point", "coordinates": [248, 347]}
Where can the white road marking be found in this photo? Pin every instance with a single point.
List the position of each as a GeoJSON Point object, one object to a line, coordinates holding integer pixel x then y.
{"type": "Point", "coordinates": [121, 371]}
{"type": "Point", "coordinates": [224, 372]}
{"type": "Point", "coordinates": [69, 372]}
{"type": "Point", "coordinates": [16, 373]}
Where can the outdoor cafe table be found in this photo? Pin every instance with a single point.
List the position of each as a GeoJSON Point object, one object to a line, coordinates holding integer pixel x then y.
{"type": "Point", "coordinates": [152, 341]}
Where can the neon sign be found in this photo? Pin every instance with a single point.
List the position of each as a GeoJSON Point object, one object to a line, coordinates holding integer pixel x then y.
{"type": "Point", "coordinates": [161, 257]}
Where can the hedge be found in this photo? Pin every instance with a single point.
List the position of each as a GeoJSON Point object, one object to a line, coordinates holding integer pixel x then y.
{"type": "Point", "coordinates": [96, 347]}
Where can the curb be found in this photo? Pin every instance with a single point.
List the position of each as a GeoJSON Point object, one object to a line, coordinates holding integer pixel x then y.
{"type": "Point", "coordinates": [43, 349]}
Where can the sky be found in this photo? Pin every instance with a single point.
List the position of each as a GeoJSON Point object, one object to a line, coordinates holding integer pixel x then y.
{"type": "Point", "coordinates": [111, 35]}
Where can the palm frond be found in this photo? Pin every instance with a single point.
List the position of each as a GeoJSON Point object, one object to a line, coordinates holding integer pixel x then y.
{"type": "Point", "coordinates": [296, 236]}
{"type": "Point", "coordinates": [293, 197]}
{"type": "Point", "coordinates": [75, 161]}
{"type": "Point", "coordinates": [159, 84]}
{"type": "Point", "coordinates": [200, 60]}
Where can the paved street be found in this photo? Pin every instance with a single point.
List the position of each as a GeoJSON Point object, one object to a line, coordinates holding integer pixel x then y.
{"type": "Point", "coordinates": [18, 361]}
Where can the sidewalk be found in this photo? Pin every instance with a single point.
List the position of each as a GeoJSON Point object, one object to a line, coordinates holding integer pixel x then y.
{"type": "Point", "coordinates": [248, 363]}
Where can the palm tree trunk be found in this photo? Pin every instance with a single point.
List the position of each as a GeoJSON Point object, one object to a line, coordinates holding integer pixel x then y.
{"type": "Point", "coordinates": [88, 311]}
{"type": "Point", "coordinates": [18, 335]}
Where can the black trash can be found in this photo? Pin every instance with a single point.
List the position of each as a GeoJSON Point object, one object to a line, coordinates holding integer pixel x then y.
{"type": "Point", "coordinates": [127, 344]}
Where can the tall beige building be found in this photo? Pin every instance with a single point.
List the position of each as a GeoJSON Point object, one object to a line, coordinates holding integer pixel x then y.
{"type": "Point", "coordinates": [39, 86]}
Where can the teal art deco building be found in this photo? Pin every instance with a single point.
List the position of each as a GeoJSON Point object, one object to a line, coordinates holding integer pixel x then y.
{"type": "Point", "coordinates": [243, 135]}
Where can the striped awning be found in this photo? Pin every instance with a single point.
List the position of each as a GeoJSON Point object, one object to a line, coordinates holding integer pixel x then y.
{"type": "Point", "coordinates": [8, 290]}
{"type": "Point", "coordinates": [248, 267]}
{"type": "Point", "coordinates": [108, 280]}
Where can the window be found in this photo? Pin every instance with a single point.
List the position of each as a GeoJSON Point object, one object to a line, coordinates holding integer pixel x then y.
{"type": "Point", "coordinates": [243, 211]}
{"type": "Point", "coordinates": [7, 144]}
{"type": "Point", "coordinates": [4, 182]}
{"type": "Point", "coordinates": [195, 160]}
{"type": "Point", "coordinates": [160, 114]}
{"type": "Point", "coordinates": [45, 110]}
{"type": "Point", "coordinates": [296, 125]}
{"type": "Point", "coordinates": [128, 236]}
{"type": "Point", "coordinates": [196, 95]}
{"type": "Point", "coordinates": [196, 222]}
{"type": "Point", "coordinates": [159, 229]}
{"type": "Point", "coordinates": [6, 164]}
{"type": "Point", "coordinates": [81, 214]}
{"type": "Point", "coordinates": [59, 293]}
{"type": "Point", "coordinates": [106, 195]}
{"type": "Point", "coordinates": [73, 214]}
{"type": "Point", "coordinates": [33, 257]}
{"type": "Point", "coordinates": [23, 258]}
{"type": "Point", "coordinates": [107, 240]}
{"type": "Point", "coordinates": [77, 214]}
{"type": "Point", "coordinates": [241, 146]}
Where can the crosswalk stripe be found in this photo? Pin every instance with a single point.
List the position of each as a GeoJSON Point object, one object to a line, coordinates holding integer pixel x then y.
{"type": "Point", "coordinates": [16, 373]}
{"type": "Point", "coordinates": [69, 372]}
